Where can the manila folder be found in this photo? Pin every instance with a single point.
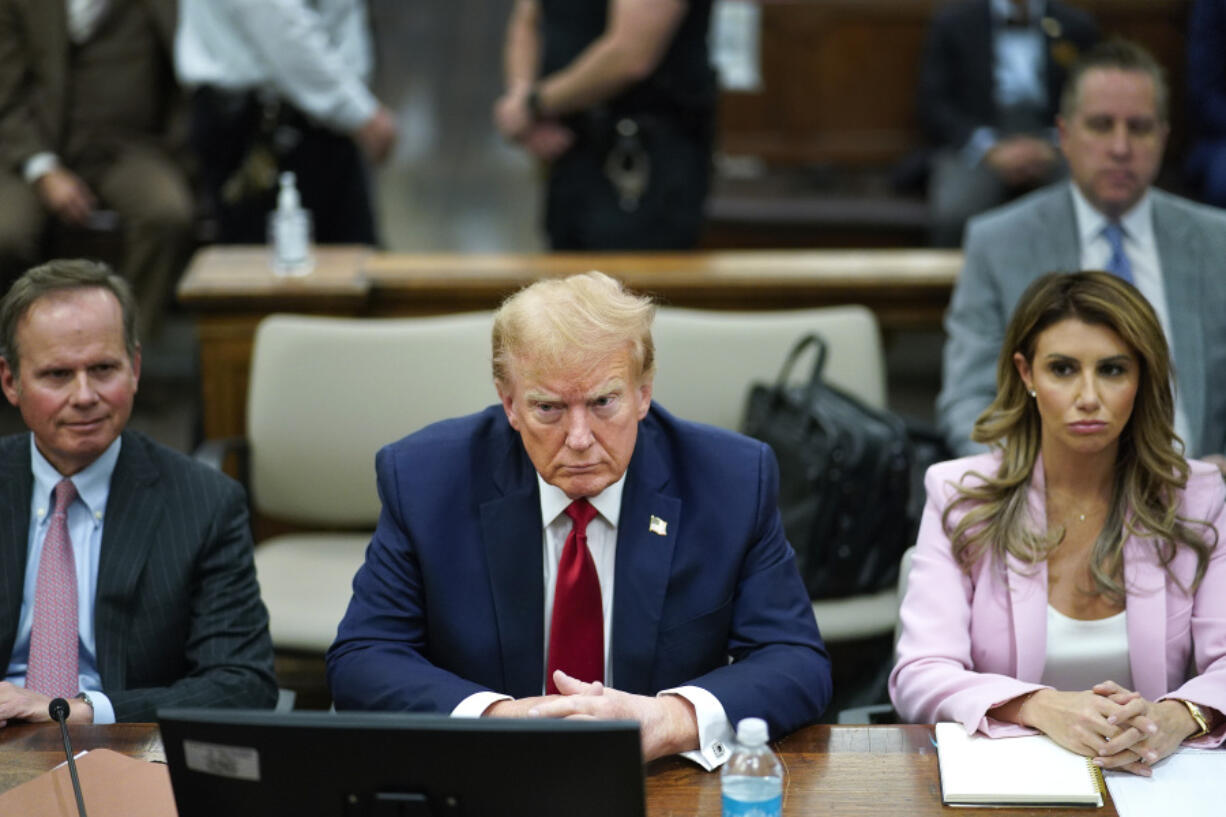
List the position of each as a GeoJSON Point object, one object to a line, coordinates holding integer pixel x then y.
{"type": "Point", "coordinates": [112, 785]}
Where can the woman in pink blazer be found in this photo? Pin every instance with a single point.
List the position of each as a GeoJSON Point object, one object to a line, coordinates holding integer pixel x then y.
{"type": "Point", "coordinates": [1071, 581]}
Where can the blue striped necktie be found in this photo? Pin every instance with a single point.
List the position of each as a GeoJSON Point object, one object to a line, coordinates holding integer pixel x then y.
{"type": "Point", "coordinates": [1118, 264]}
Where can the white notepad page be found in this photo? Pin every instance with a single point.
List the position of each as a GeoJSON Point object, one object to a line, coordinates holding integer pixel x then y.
{"type": "Point", "coordinates": [979, 770]}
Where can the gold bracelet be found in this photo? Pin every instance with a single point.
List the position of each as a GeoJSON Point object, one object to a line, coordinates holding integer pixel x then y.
{"type": "Point", "coordinates": [1198, 715]}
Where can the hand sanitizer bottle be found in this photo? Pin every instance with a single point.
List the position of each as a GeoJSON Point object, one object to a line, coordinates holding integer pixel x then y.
{"type": "Point", "coordinates": [289, 231]}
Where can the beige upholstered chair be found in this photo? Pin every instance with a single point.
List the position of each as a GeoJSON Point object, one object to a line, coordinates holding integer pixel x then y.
{"type": "Point", "coordinates": [325, 394]}
{"type": "Point", "coordinates": [884, 712]}
{"type": "Point", "coordinates": [706, 362]}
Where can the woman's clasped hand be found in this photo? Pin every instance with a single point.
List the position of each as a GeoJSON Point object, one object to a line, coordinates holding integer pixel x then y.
{"type": "Point", "coordinates": [1115, 726]}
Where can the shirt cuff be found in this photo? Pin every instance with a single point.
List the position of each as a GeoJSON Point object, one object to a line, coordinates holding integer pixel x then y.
{"type": "Point", "coordinates": [104, 710]}
{"type": "Point", "coordinates": [39, 165]}
{"type": "Point", "coordinates": [714, 731]}
{"type": "Point", "coordinates": [982, 140]}
{"type": "Point", "coordinates": [477, 703]}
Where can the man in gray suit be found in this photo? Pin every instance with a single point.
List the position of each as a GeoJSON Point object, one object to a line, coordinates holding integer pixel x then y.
{"type": "Point", "coordinates": [1113, 128]}
{"type": "Point", "coordinates": [126, 574]}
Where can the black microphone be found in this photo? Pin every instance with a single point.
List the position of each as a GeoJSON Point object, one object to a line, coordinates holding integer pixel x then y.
{"type": "Point", "coordinates": [59, 712]}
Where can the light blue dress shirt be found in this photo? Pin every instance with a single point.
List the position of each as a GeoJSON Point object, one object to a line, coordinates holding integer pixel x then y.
{"type": "Point", "coordinates": [85, 518]}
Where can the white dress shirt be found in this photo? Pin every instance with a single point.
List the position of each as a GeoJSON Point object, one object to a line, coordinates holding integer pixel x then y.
{"type": "Point", "coordinates": [1142, 251]}
{"type": "Point", "coordinates": [715, 733]}
{"type": "Point", "coordinates": [83, 17]}
{"type": "Point", "coordinates": [85, 518]}
{"type": "Point", "coordinates": [317, 54]}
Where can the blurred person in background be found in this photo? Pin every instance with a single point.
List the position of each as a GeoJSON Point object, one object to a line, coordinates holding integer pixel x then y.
{"type": "Point", "coordinates": [1206, 45]}
{"type": "Point", "coordinates": [618, 96]}
{"type": "Point", "coordinates": [989, 86]}
{"type": "Point", "coordinates": [282, 85]}
{"type": "Point", "coordinates": [92, 126]}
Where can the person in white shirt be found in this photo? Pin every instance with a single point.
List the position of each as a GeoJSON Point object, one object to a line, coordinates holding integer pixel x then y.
{"type": "Point", "coordinates": [1113, 129]}
{"type": "Point", "coordinates": [282, 85]}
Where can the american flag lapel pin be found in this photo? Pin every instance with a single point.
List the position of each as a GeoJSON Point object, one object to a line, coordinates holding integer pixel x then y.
{"type": "Point", "coordinates": [658, 526]}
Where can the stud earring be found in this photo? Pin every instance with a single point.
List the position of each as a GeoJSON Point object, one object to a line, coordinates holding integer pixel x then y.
{"type": "Point", "coordinates": [1034, 393]}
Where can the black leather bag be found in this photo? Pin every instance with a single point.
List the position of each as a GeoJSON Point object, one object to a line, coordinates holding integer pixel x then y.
{"type": "Point", "coordinates": [846, 478]}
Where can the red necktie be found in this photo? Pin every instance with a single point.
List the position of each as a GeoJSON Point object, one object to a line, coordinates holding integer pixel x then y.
{"type": "Point", "coordinates": [52, 668]}
{"type": "Point", "coordinates": [576, 634]}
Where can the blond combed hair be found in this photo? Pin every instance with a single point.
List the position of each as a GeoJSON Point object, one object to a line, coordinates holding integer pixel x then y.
{"type": "Point", "coordinates": [1150, 470]}
{"type": "Point", "coordinates": [566, 323]}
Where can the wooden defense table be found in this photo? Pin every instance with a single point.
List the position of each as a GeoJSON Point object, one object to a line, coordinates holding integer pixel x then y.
{"type": "Point", "coordinates": [845, 771]}
{"type": "Point", "coordinates": [231, 288]}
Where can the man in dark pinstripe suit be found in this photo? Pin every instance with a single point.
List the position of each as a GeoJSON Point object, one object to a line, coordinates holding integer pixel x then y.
{"type": "Point", "coordinates": [168, 606]}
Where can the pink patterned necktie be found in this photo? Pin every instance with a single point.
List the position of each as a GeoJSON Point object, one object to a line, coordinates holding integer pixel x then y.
{"type": "Point", "coordinates": [576, 632]}
{"type": "Point", "coordinates": [52, 667]}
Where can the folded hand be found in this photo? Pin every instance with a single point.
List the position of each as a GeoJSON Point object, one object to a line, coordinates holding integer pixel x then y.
{"type": "Point", "coordinates": [1146, 736]}
{"type": "Point", "coordinates": [666, 722]}
{"type": "Point", "coordinates": [1091, 724]}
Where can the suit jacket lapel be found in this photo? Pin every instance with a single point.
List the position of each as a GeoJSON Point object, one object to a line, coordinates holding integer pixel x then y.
{"type": "Point", "coordinates": [133, 516]}
{"type": "Point", "coordinates": [49, 24]}
{"type": "Point", "coordinates": [1182, 255]}
{"type": "Point", "coordinates": [511, 530]}
{"type": "Point", "coordinates": [164, 14]}
{"type": "Point", "coordinates": [978, 41]}
{"type": "Point", "coordinates": [644, 558]}
{"type": "Point", "coordinates": [1058, 245]}
{"type": "Point", "coordinates": [1028, 594]}
{"type": "Point", "coordinates": [1145, 605]}
{"type": "Point", "coordinates": [16, 484]}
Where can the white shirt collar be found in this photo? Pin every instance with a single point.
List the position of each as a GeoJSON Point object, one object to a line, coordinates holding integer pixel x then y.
{"type": "Point", "coordinates": [93, 482]}
{"type": "Point", "coordinates": [608, 503]}
{"type": "Point", "coordinates": [1138, 223]}
{"type": "Point", "coordinates": [1003, 9]}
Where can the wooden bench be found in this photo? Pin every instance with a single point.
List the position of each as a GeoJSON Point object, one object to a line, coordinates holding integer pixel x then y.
{"type": "Point", "coordinates": [231, 288]}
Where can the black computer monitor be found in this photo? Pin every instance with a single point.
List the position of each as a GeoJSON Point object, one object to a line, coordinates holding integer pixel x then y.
{"type": "Point", "coordinates": [249, 763]}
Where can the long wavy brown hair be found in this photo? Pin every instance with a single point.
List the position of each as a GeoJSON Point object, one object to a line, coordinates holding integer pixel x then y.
{"type": "Point", "coordinates": [1150, 470]}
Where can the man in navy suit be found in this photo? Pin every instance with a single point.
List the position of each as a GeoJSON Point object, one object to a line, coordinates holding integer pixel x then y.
{"type": "Point", "coordinates": [468, 602]}
{"type": "Point", "coordinates": [149, 551]}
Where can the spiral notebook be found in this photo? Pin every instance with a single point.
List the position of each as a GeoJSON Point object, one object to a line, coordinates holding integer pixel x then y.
{"type": "Point", "coordinates": [1031, 770]}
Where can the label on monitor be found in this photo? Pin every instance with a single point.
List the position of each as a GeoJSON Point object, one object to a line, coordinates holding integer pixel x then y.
{"type": "Point", "coordinates": [238, 762]}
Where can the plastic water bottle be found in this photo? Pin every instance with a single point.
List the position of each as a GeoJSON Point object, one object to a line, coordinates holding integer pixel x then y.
{"type": "Point", "coordinates": [289, 231]}
{"type": "Point", "coordinates": [752, 779]}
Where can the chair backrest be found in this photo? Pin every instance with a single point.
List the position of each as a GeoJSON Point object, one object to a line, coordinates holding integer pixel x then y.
{"type": "Point", "coordinates": [326, 393]}
{"type": "Point", "coordinates": [707, 360]}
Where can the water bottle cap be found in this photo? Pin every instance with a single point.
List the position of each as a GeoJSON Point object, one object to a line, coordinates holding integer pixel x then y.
{"type": "Point", "coordinates": [751, 732]}
{"type": "Point", "coordinates": [287, 198]}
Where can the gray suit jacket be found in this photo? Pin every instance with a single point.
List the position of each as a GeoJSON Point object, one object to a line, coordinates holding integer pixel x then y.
{"type": "Point", "coordinates": [1007, 248]}
{"type": "Point", "coordinates": [178, 616]}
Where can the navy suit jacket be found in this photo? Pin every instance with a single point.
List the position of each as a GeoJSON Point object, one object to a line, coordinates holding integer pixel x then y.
{"type": "Point", "coordinates": [450, 600]}
{"type": "Point", "coordinates": [178, 615]}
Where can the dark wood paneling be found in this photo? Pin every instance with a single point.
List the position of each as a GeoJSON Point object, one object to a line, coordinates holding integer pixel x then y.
{"type": "Point", "coordinates": [839, 76]}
